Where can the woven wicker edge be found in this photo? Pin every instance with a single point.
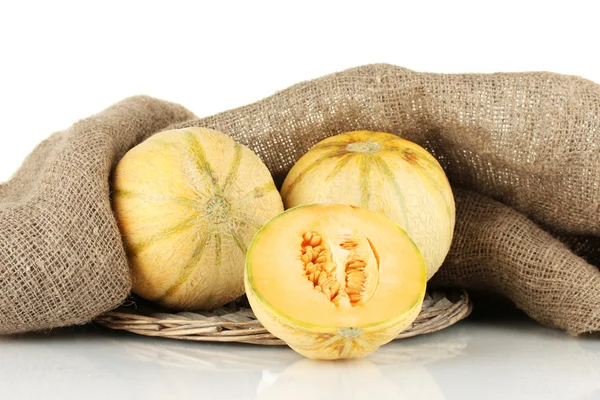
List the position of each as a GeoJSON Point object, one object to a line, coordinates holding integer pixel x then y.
{"type": "Point", "coordinates": [241, 326]}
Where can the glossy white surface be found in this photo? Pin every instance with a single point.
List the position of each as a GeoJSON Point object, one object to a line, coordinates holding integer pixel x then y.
{"type": "Point", "coordinates": [475, 359]}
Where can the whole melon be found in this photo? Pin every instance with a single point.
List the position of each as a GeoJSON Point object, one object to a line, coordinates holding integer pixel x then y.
{"type": "Point", "coordinates": [188, 202]}
{"type": "Point", "coordinates": [383, 173]}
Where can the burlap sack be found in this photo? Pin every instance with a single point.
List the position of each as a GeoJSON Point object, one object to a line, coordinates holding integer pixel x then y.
{"type": "Point", "coordinates": [62, 260]}
{"type": "Point", "coordinates": [522, 151]}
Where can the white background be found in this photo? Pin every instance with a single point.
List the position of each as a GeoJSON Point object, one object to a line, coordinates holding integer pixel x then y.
{"type": "Point", "coordinates": [61, 61]}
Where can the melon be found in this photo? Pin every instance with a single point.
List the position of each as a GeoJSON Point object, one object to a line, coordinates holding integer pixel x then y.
{"type": "Point", "coordinates": [383, 173]}
{"type": "Point", "coordinates": [334, 280]}
{"type": "Point", "coordinates": [188, 203]}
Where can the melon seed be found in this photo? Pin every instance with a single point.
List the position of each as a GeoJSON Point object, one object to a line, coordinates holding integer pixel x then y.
{"type": "Point", "coordinates": [320, 269]}
{"type": "Point", "coordinates": [315, 240]}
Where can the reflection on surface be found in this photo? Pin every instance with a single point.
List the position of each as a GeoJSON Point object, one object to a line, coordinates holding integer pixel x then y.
{"type": "Point", "coordinates": [204, 356]}
{"type": "Point", "coordinates": [348, 379]}
{"type": "Point", "coordinates": [418, 351]}
{"type": "Point", "coordinates": [487, 360]}
{"type": "Point", "coordinates": [397, 370]}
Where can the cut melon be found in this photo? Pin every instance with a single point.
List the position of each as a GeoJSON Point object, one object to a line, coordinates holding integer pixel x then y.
{"type": "Point", "coordinates": [386, 174]}
{"type": "Point", "coordinates": [188, 202]}
{"type": "Point", "coordinates": [334, 281]}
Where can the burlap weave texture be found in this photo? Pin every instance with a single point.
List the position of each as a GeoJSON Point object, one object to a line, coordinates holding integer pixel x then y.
{"type": "Point", "coordinates": [62, 260]}
{"type": "Point", "coordinates": [521, 150]}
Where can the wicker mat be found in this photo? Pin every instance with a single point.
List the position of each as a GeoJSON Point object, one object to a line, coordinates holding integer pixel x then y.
{"type": "Point", "coordinates": [236, 322]}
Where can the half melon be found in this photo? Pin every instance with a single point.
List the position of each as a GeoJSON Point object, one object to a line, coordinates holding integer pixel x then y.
{"type": "Point", "coordinates": [334, 281]}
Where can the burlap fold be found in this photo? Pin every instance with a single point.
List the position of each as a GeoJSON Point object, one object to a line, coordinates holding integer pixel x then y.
{"type": "Point", "coordinates": [529, 141]}
{"type": "Point", "coordinates": [522, 151]}
{"type": "Point", "coordinates": [62, 260]}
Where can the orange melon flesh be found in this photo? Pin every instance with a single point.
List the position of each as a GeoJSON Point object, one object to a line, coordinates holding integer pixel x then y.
{"type": "Point", "coordinates": [276, 276]}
